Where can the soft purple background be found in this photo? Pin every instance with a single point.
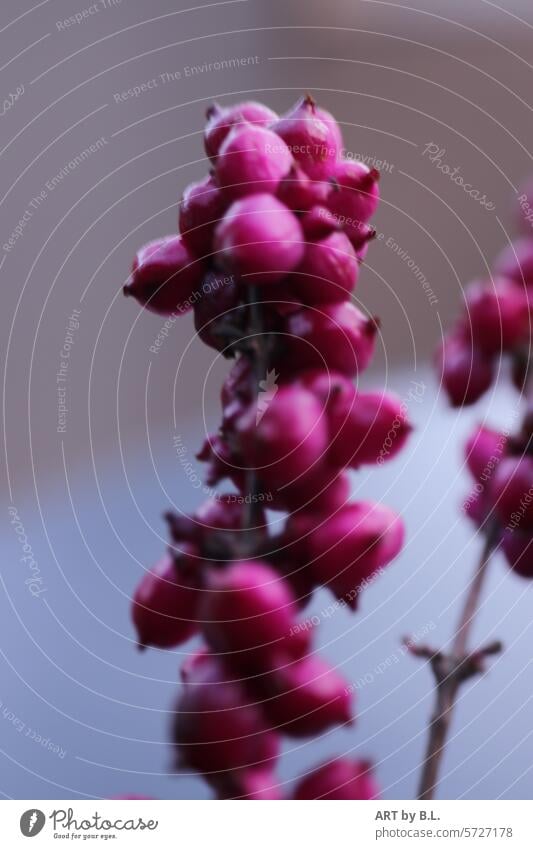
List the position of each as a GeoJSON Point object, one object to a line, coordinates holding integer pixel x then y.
{"type": "Point", "coordinates": [91, 499]}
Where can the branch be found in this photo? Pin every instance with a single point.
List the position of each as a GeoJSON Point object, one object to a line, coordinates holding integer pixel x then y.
{"type": "Point", "coordinates": [453, 669]}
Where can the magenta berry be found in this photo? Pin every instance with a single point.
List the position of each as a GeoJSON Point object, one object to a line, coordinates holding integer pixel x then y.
{"type": "Point", "coordinates": [248, 613]}
{"type": "Point", "coordinates": [306, 697]}
{"type": "Point", "coordinates": [328, 271]}
{"type": "Point", "coordinates": [512, 491]}
{"type": "Point", "coordinates": [254, 784]}
{"type": "Point", "coordinates": [346, 549]}
{"type": "Point", "coordinates": [286, 439]}
{"type": "Point", "coordinates": [201, 208]}
{"type": "Point", "coordinates": [332, 336]}
{"type": "Point", "coordinates": [164, 606]}
{"type": "Point", "coordinates": [313, 137]}
{"type": "Point", "coordinates": [319, 222]}
{"type": "Point", "coordinates": [517, 546]}
{"type": "Point", "coordinates": [355, 196]}
{"type": "Point", "coordinates": [299, 192]}
{"type": "Point", "coordinates": [219, 727]}
{"type": "Point", "coordinates": [252, 159]}
{"type": "Point", "coordinates": [164, 276]}
{"type": "Point", "coordinates": [222, 120]}
{"type": "Point", "coordinates": [372, 429]}
{"type": "Point", "coordinates": [339, 779]}
{"type": "Point", "coordinates": [466, 373]}
{"type": "Point", "coordinates": [483, 451]}
{"type": "Point", "coordinates": [259, 239]}
{"type": "Point", "coordinates": [498, 312]}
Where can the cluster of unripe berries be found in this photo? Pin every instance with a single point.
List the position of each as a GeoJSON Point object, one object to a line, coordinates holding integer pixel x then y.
{"type": "Point", "coordinates": [268, 255]}
{"type": "Point", "coordinates": [497, 322]}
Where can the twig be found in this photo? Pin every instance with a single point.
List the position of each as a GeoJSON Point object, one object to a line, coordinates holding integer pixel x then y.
{"type": "Point", "coordinates": [453, 669]}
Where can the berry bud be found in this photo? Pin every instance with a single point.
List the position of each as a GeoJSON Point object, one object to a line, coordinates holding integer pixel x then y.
{"type": "Point", "coordinates": [164, 605]}
{"type": "Point", "coordinates": [201, 208]}
{"type": "Point", "coordinates": [252, 159]}
{"type": "Point", "coordinates": [334, 336]}
{"type": "Point", "coordinates": [338, 779]}
{"type": "Point", "coordinates": [259, 239]}
{"type": "Point", "coordinates": [222, 120]}
{"type": "Point", "coordinates": [164, 276]}
{"type": "Point", "coordinates": [306, 697]}
{"type": "Point", "coordinates": [218, 728]}
{"type": "Point", "coordinates": [248, 613]}
{"type": "Point", "coordinates": [498, 314]}
{"type": "Point", "coordinates": [328, 271]}
{"type": "Point", "coordinates": [313, 137]}
{"type": "Point", "coordinates": [466, 373]}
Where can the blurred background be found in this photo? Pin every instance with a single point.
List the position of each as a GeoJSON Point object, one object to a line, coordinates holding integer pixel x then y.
{"type": "Point", "coordinates": [82, 713]}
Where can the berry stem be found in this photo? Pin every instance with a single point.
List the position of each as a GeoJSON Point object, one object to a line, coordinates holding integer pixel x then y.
{"type": "Point", "coordinates": [453, 669]}
{"type": "Point", "coordinates": [256, 352]}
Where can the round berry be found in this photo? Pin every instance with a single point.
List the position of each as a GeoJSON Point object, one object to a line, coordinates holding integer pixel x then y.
{"type": "Point", "coordinates": [259, 239]}
{"type": "Point", "coordinates": [252, 159]}
{"type": "Point", "coordinates": [164, 276]}
{"type": "Point", "coordinates": [328, 271]}
{"type": "Point", "coordinates": [222, 120]}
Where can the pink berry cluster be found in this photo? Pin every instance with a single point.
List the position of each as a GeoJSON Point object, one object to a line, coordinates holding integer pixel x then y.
{"type": "Point", "coordinates": [268, 255]}
{"type": "Point", "coordinates": [497, 322]}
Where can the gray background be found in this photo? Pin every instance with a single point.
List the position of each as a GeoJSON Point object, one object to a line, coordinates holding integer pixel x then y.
{"type": "Point", "coordinates": [91, 499]}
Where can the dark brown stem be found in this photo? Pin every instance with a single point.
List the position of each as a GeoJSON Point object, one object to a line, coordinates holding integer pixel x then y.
{"type": "Point", "coordinates": [453, 669]}
{"type": "Point", "coordinates": [257, 354]}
